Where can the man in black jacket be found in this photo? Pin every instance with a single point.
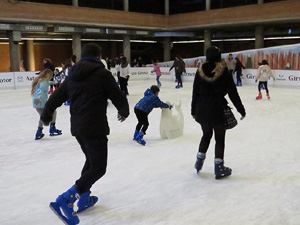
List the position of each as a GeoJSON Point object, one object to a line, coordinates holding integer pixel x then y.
{"type": "Point", "coordinates": [88, 87]}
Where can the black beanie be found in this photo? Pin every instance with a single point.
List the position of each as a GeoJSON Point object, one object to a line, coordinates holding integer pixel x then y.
{"type": "Point", "coordinates": [213, 54]}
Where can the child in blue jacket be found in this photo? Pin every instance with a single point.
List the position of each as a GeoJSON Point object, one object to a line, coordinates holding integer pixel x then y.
{"type": "Point", "coordinates": [142, 110]}
{"type": "Point", "coordinates": [39, 93]}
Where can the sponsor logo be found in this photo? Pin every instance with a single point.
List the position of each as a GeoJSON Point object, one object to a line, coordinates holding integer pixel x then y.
{"type": "Point", "coordinates": [165, 73]}
{"type": "Point", "coordinates": [294, 78]}
{"type": "Point", "coordinates": [30, 78]}
{"type": "Point", "coordinates": [250, 76]}
{"type": "Point", "coordinates": [66, 29]}
{"type": "Point", "coordinates": [142, 73]}
{"type": "Point", "coordinates": [120, 31]}
{"type": "Point", "coordinates": [38, 28]}
{"type": "Point", "coordinates": [142, 32]}
{"type": "Point", "coordinates": [92, 30]}
{"type": "Point", "coordinates": [4, 26]}
{"type": "Point", "coordinates": [281, 77]}
{"type": "Point", "coordinates": [189, 74]}
{"type": "Point", "coordinates": [4, 80]}
{"type": "Point", "coordinates": [20, 79]}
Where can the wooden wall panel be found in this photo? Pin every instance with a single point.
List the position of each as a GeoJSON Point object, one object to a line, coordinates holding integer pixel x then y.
{"type": "Point", "coordinates": [60, 14]}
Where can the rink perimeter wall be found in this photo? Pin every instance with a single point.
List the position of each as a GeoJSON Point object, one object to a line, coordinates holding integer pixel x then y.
{"type": "Point", "coordinates": [291, 78]}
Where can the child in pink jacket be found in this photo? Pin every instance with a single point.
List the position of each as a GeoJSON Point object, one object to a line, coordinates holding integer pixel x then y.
{"type": "Point", "coordinates": [158, 73]}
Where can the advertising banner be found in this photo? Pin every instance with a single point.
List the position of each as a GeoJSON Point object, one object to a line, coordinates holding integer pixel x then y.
{"type": "Point", "coordinates": [279, 58]}
{"type": "Point", "coordinates": [283, 77]}
{"type": "Point", "coordinates": [7, 80]}
{"type": "Point", "coordinates": [24, 79]}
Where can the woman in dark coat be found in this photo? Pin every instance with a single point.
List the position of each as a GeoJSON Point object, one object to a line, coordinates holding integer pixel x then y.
{"type": "Point", "coordinates": [238, 70]}
{"type": "Point", "coordinates": [212, 82]}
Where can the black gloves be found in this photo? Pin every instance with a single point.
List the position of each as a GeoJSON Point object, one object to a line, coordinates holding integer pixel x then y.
{"type": "Point", "coordinates": [170, 107]}
{"type": "Point", "coordinates": [121, 118]}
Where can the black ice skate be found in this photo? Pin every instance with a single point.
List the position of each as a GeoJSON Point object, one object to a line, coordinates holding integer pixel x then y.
{"type": "Point", "coordinates": [221, 171]}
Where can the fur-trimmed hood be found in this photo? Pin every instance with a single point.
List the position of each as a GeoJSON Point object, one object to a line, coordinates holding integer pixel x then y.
{"type": "Point", "coordinates": [210, 72]}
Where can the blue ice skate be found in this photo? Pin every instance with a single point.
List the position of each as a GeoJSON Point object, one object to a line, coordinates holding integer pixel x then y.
{"type": "Point", "coordinates": [139, 138]}
{"type": "Point", "coordinates": [86, 201]}
{"type": "Point", "coordinates": [39, 133]}
{"type": "Point", "coordinates": [177, 86]}
{"type": "Point", "coordinates": [221, 171]}
{"type": "Point", "coordinates": [64, 205]}
{"type": "Point", "coordinates": [135, 135]}
{"type": "Point", "coordinates": [53, 131]}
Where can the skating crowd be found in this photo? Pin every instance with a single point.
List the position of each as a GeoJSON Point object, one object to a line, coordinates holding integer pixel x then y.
{"type": "Point", "coordinates": [85, 86]}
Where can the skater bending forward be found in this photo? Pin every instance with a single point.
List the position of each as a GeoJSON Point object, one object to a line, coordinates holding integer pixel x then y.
{"type": "Point", "coordinates": [264, 72]}
{"type": "Point", "coordinates": [212, 82]}
{"type": "Point", "coordinates": [142, 110]}
{"type": "Point", "coordinates": [39, 92]}
{"type": "Point", "coordinates": [88, 87]}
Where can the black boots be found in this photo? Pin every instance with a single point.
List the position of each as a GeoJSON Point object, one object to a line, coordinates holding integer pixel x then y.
{"type": "Point", "coordinates": [220, 170]}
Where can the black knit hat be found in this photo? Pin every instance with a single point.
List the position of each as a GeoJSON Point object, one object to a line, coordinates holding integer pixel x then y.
{"type": "Point", "coordinates": [213, 54]}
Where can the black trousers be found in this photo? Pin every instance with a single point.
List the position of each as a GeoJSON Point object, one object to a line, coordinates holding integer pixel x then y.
{"type": "Point", "coordinates": [265, 83]}
{"type": "Point", "coordinates": [123, 85]}
{"type": "Point", "coordinates": [95, 151]}
{"type": "Point", "coordinates": [178, 77]}
{"type": "Point", "coordinates": [219, 137]}
{"type": "Point", "coordinates": [143, 122]}
{"type": "Point", "coordinates": [238, 76]}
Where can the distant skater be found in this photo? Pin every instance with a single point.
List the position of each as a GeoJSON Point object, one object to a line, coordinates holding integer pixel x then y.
{"type": "Point", "coordinates": [158, 73]}
{"type": "Point", "coordinates": [264, 72]}
{"type": "Point", "coordinates": [179, 66]}
{"type": "Point", "coordinates": [238, 69]}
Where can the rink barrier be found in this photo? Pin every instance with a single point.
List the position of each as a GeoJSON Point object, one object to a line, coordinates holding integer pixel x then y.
{"type": "Point", "coordinates": [13, 80]}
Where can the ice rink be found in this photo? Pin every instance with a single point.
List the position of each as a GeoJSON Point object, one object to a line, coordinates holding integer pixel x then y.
{"type": "Point", "coordinates": [157, 184]}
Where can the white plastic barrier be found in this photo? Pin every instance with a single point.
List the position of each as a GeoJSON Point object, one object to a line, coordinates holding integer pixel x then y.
{"type": "Point", "coordinates": [283, 77]}
{"type": "Point", "coordinates": [16, 79]}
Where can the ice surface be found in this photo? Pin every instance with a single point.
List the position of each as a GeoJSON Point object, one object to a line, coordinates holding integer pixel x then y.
{"type": "Point", "coordinates": [157, 184]}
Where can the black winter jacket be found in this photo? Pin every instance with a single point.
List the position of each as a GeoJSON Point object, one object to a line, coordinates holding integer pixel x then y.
{"type": "Point", "coordinates": [179, 66]}
{"type": "Point", "coordinates": [88, 87]}
{"type": "Point", "coordinates": [212, 82]}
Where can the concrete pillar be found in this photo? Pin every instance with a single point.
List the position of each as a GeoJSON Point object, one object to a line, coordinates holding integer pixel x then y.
{"type": "Point", "coordinates": [76, 45]}
{"type": "Point", "coordinates": [126, 48]}
{"type": "Point", "coordinates": [126, 5]}
{"type": "Point", "coordinates": [207, 4]}
{"type": "Point", "coordinates": [207, 40]}
{"type": "Point", "coordinates": [260, 2]}
{"type": "Point", "coordinates": [167, 8]}
{"type": "Point", "coordinates": [75, 3]}
{"type": "Point", "coordinates": [30, 56]}
{"type": "Point", "coordinates": [14, 50]}
{"type": "Point", "coordinates": [259, 37]}
{"type": "Point", "coordinates": [167, 49]}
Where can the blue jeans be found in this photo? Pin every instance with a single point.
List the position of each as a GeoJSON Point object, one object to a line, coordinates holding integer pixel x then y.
{"type": "Point", "coordinates": [158, 82]}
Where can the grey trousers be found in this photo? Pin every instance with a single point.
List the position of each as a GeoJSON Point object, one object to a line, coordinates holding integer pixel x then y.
{"type": "Point", "coordinates": [40, 111]}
